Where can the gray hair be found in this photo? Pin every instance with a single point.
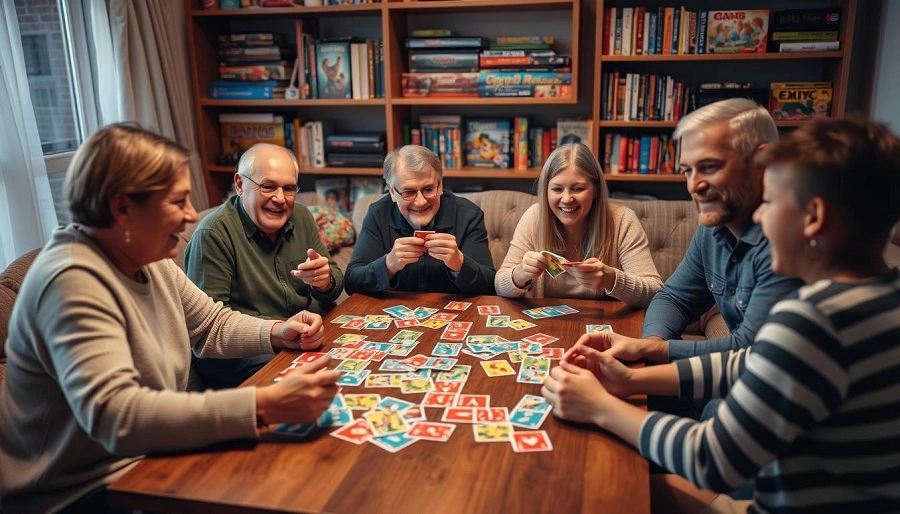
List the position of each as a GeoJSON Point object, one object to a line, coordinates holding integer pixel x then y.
{"type": "Point", "coordinates": [415, 158]}
{"type": "Point", "coordinates": [751, 125]}
{"type": "Point", "coordinates": [247, 164]}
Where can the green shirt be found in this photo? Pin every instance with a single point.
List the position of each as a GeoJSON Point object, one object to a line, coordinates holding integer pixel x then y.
{"type": "Point", "coordinates": [234, 262]}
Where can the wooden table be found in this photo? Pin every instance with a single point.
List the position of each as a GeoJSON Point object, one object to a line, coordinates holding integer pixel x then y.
{"type": "Point", "coordinates": [588, 470]}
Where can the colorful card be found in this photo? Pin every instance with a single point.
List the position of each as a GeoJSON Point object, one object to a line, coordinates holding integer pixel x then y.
{"type": "Point", "coordinates": [492, 415]}
{"type": "Point", "coordinates": [489, 309]}
{"type": "Point", "coordinates": [536, 441]}
{"type": "Point", "coordinates": [361, 401]}
{"type": "Point", "coordinates": [406, 323]}
{"type": "Point", "coordinates": [386, 422]}
{"type": "Point", "coordinates": [454, 335]}
{"type": "Point", "coordinates": [353, 378]}
{"type": "Point", "coordinates": [343, 318]}
{"type": "Point", "coordinates": [540, 338]}
{"type": "Point", "coordinates": [414, 413]}
{"type": "Point", "coordinates": [459, 373]}
{"type": "Point", "coordinates": [357, 432]}
{"type": "Point", "coordinates": [492, 432]}
{"type": "Point", "coordinates": [432, 431]}
{"type": "Point", "coordinates": [392, 443]}
{"type": "Point", "coordinates": [378, 347]}
{"type": "Point", "coordinates": [352, 365]}
{"type": "Point", "coordinates": [552, 353]}
{"type": "Point", "coordinates": [355, 324]}
{"type": "Point", "coordinates": [395, 365]}
{"type": "Point", "coordinates": [459, 415]}
{"type": "Point", "coordinates": [497, 368]}
{"type": "Point", "coordinates": [444, 316]}
{"type": "Point", "coordinates": [446, 386]}
{"type": "Point", "coordinates": [495, 321]}
{"type": "Point", "coordinates": [597, 328]}
{"type": "Point", "coordinates": [446, 349]}
{"type": "Point", "coordinates": [435, 399]}
{"type": "Point", "coordinates": [383, 380]}
{"type": "Point", "coordinates": [400, 311]}
{"type": "Point", "coordinates": [536, 313]}
{"type": "Point", "coordinates": [414, 385]}
{"type": "Point", "coordinates": [335, 417]}
{"type": "Point", "coordinates": [406, 336]}
{"type": "Point", "coordinates": [458, 306]}
{"type": "Point", "coordinates": [377, 325]}
{"type": "Point", "coordinates": [554, 263]}
{"type": "Point", "coordinates": [533, 370]}
{"type": "Point", "coordinates": [521, 324]}
{"type": "Point", "coordinates": [533, 402]}
{"type": "Point", "coordinates": [423, 312]}
{"type": "Point", "coordinates": [402, 349]}
{"type": "Point", "coordinates": [433, 323]}
{"type": "Point", "coordinates": [349, 338]}
{"type": "Point", "coordinates": [394, 404]}
{"type": "Point", "coordinates": [422, 234]}
{"type": "Point", "coordinates": [295, 430]}
{"type": "Point", "coordinates": [473, 400]}
{"type": "Point", "coordinates": [308, 357]}
{"type": "Point", "coordinates": [526, 418]}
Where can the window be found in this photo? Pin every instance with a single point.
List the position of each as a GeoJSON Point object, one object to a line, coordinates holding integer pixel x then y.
{"type": "Point", "coordinates": [49, 71]}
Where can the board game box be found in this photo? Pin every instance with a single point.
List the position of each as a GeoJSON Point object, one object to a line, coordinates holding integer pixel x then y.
{"type": "Point", "coordinates": [487, 143]}
{"type": "Point", "coordinates": [800, 100]}
{"type": "Point", "coordinates": [737, 31]}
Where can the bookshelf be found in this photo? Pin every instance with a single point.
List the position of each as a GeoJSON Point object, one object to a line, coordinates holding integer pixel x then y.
{"type": "Point", "coordinates": [577, 26]}
{"type": "Point", "coordinates": [692, 69]}
{"type": "Point", "coordinates": [390, 21]}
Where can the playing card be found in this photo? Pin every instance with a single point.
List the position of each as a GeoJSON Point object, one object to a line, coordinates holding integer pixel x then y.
{"type": "Point", "coordinates": [400, 311]}
{"type": "Point", "coordinates": [434, 399]}
{"type": "Point", "coordinates": [349, 338]}
{"type": "Point", "coordinates": [395, 365]}
{"type": "Point", "coordinates": [405, 323]}
{"type": "Point", "coordinates": [386, 422]}
{"type": "Point", "coordinates": [294, 430]}
{"type": "Point", "coordinates": [353, 378]}
{"type": "Point", "coordinates": [431, 431]}
{"type": "Point", "coordinates": [413, 385]}
{"type": "Point", "coordinates": [473, 400]}
{"type": "Point", "coordinates": [361, 401]}
{"type": "Point", "coordinates": [492, 432]}
{"type": "Point", "coordinates": [566, 309]}
{"type": "Point", "coordinates": [459, 373]}
{"type": "Point", "coordinates": [308, 357]}
{"type": "Point", "coordinates": [536, 441]}
{"type": "Point", "coordinates": [460, 325]}
{"type": "Point", "coordinates": [377, 325]}
{"type": "Point", "coordinates": [422, 234]}
{"type": "Point", "coordinates": [495, 321]}
{"type": "Point", "coordinates": [533, 402]}
{"type": "Point", "coordinates": [552, 353]}
{"type": "Point", "coordinates": [413, 413]}
{"type": "Point", "coordinates": [533, 370]}
{"type": "Point", "coordinates": [497, 368]}
{"type": "Point", "coordinates": [363, 355]}
{"type": "Point", "coordinates": [488, 309]}
{"type": "Point", "coordinates": [343, 318]}
{"type": "Point", "coordinates": [554, 263]}
{"type": "Point", "coordinates": [402, 349]}
{"type": "Point", "coordinates": [530, 348]}
{"type": "Point", "coordinates": [540, 338]}
{"type": "Point", "coordinates": [492, 415]}
{"type": "Point", "coordinates": [521, 324]}
{"type": "Point", "coordinates": [335, 417]}
{"type": "Point", "coordinates": [393, 443]}
{"type": "Point", "coordinates": [445, 386]}
{"type": "Point", "coordinates": [457, 306]}
{"type": "Point", "coordinates": [433, 323]}
{"type": "Point", "coordinates": [526, 418]}
{"type": "Point", "coordinates": [416, 361]}
{"type": "Point", "coordinates": [341, 353]}
{"type": "Point", "coordinates": [439, 363]}
{"type": "Point", "coordinates": [453, 335]}
{"type": "Point", "coordinates": [444, 316]}
{"type": "Point", "coordinates": [406, 336]}
{"type": "Point", "coordinates": [378, 347]}
{"type": "Point", "coordinates": [355, 324]}
{"type": "Point", "coordinates": [517, 356]}
{"type": "Point", "coordinates": [597, 328]}
{"type": "Point", "coordinates": [352, 365]}
{"type": "Point", "coordinates": [536, 313]}
{"type": "Point", "coordinates": [424, 312]}
{"type": "Point", "coordinates": [446, 349]}
{"type": "Point", "coordinates": [383, 380]}
{"type": "Point", "coordinates": [357, 432]}
{"type": "Point", "coordinates": [459, 415]}
{"type": "Point", "coordinates": [480, 339]}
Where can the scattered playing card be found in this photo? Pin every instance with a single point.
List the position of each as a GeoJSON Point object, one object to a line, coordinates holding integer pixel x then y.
{"type": "Point", "coordinates": [386, 422]}
{"type": "Point", "coordinates": [459, 415]}
{"type": "Point", "coordinates": [495, 321]}
{"type": "Point", "coordinates": [492, 432]}
{"type": "Point", "coordinates": [533, 370]}
{"type": "Point", "coordinates": [361, 401]}
{"type": "Point", "coordinates": [457, 306]}
{"type": "Point", "coordinates": [353, 378]}
{"type": "Point", "coordinates": [526, 418]}
{"type": "Point", "coordinates": [400, 311]}
{"type": "Point", "coordinates": [434, 399]}
{"type": "Point", "coordinates": [533, 402]}
{"type": "Point", "coordinates": [335, 417]}
{"type": "Point", "coordinates": [536, 441]}
{"type": "Point", "coordinates": [406, 323]}
{"type": "Point", "coordinates": [432, 431]}
{"type": "Point", "coordinates": [597, 328]}
{"type": "Point", "coordinates": [349, 338]}
{"type": "Point", "coordinates": [307, 357]}
{"type": "Point", "coordinates": [521, 324]}
{"type": "Point", "coordinates": [357, 432]}
{"type": "Point", "coordinates": [393, 443]}
{"type": "Point", "coordinates": [552, 353]}
{"type": "Point", "coordinates": [497, 368]}
{"type": "Point", "coordinates": [343, 318]}
{"type": "Point", "coordinates": [540, 338]}
{"type": "Point", "coordinates": [488, 309]}
{"type": "Point", "coordinates": [444, 316]}
{"type": "Point", "coordinates": [473, 400]}
{"type": "Point", "coordinates": [446, 349]}
{"type": "Point", "coordinates": [352, 365]}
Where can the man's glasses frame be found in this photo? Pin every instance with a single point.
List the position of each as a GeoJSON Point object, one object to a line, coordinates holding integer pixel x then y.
{"type": "Point", "coordinates": [268, 189]}
{"type": "Point", "coordinates": [409, 195]}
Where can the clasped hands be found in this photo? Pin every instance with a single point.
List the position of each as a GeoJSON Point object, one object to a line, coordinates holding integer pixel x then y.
{"type": "Point", "coordinates": [407, 250]}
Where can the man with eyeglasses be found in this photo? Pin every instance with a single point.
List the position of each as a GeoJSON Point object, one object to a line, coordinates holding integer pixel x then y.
{"type": "Point", "coordinates": [260, 253]}
{"type": "Point", "coordinates": [389, 256]}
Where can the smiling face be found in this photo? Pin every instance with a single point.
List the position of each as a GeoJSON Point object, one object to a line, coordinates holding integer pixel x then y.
{"type": "Point", "coordinates": [570, 196]}
{"type": "Point", "coordinates": [154, 225]}
{"type": "Point", "coordinates": [725, 186]}
{"type": "Point", "coordinates": [782, 220]}
{"type": "Point", "coordinates": [272, 167]}
{"type": "Point", "coordinates": [418, 211]}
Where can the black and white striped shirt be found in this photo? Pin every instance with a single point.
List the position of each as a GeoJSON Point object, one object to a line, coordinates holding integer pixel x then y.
{"type": "Point", "coordinates": [811, 410]}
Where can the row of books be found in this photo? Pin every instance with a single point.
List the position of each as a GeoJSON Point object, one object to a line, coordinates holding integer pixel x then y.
{"type": "Point", "coordinates": [345, 68]}
{"type": "Point", "coordinates": [494, 142]}
{"type": "Point", "coordinates": [240, 131]}
{"type": "Point", "coordinates": [805, 30]}
{"type": "Point", "coordinates": [252, 66]}
{"type": "Point", "coordinates": [645, 155]}
{"type": "Point", "coordinates": [677, 30]}
{"type": "Point", "coordinates": [355, 150]}
{"type": "Point", "coordinates": [487, 84]}
{"type": "Point", "coordinates": [643, 97]}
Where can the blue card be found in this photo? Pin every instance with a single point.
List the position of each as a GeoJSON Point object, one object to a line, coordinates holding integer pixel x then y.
{"type": "Point", "coordinates": [394, 442]}
{"type": "Point", "coordinates": [335, 417]}
{"type": "Point", "coordinates": [294, 430]}
{"type": "Point", "coordinates": [447, 349]}
{"type": "Point", "coordinates": [353, 378]}
{"type": "Point", "coordinates": [528, 418]}
{"type": "Point", "coordinates": [394, 404]}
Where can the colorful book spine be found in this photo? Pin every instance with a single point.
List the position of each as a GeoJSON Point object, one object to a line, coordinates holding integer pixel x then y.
{"type": "Point", "coordinates": [444, 42]}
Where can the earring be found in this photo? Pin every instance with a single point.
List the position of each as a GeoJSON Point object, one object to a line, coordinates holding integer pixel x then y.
{"type": "Point", "coordinates": [812, 250]}
{"type": "Point", "coordinates": [127, 236]}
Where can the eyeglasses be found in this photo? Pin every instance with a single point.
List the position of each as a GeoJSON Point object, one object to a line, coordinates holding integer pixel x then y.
{"type": "Point", "coordinates": [411, 194]}
{"type": "Point", "coordinates": [269, 189]}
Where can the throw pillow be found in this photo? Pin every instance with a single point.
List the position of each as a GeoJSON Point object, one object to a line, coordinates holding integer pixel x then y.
{"type": "Point", "coordinates": [335, 229]}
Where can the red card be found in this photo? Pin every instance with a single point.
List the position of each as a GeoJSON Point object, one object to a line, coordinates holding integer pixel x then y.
{"type": "Point", "coordinates": [431, 431]}
{"type": "Point", "coordinates": [443, 386]}
{"type": "Point", "coordinates": [552, 353]}
{"type": "Point", "coordinates": [492, 415]}
{"type": "Point", "coordinates": [307, 357]}
{"type": "Point", "coordinates": [473, 400]}
{"type": "Point", "coordinates": [422, 234]}
{"type": "Point", "coordinates": [531, 441]}
{"type": "Point", "coordinates": [357, 432]}
{"type": "Point", "coordinates": [540, 338]}
{"type": "Point", "coordinates": [434, 399]}
{"type": "Point", "coordinates": [459, 415]}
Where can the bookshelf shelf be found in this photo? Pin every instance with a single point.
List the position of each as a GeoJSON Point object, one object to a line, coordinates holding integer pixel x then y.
{"type": "Point", "coordinates": [478, 5]}
{"type": "Point", "coordinates": [484, 101]}
{"type": "Point", "coordinates": [622, 177]}
{"type": "Point", "coordinates": [336, 10]}
{"type": "Point", "coordinates": [328, 102]}
{"type": "Point", "coordinates": [723, 57]}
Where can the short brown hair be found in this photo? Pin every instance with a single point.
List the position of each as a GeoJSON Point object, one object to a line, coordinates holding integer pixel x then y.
{"type": "Point", "coordinates": [853, 164]}
{"type": "Point", "coordinates": [119, 159]}
{"type": "Point", "coordinates": [415, 158]}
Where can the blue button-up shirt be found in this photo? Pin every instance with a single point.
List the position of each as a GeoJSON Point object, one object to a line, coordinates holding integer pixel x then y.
{"type": "Point", "coordinates": [734, 274]}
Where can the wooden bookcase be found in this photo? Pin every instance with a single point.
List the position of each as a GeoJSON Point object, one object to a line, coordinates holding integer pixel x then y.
{"type": "Point", "coordinates": [758, 68]}
{"type": "Point", "coordinates": [577, 26]}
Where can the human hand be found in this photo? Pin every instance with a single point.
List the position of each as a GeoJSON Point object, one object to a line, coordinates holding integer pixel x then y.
{"type": "Point", "coordinates": [302, 331]}
{"type": "Point", "coordinates": [406, 250]}
{"type": "Point", "coordinates": [301, 396]}
{"type": "Point", "coordinates": [615, 376]}
{"type": "Point", "coordinates": [615, 345]}
{"type": "Point", "coordinates": [574, 393]}
{"type": "Point", "coordinates": [443, 247]}
{"type": "Point", "coordinates": [315, 272]}
{"type": "Point", "coordinates": [530, 268]}
{"type": "Point", "coordinates": [592, 273]}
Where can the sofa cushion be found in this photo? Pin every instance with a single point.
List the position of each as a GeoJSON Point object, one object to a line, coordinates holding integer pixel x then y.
{"type": "Point", "coordinates": [669, 226]}
{"type": "Point", "coordinates": [335, 229]}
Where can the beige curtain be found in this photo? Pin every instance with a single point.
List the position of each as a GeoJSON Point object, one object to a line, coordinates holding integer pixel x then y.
{"type": "Point", "coordinates": [142, 72]}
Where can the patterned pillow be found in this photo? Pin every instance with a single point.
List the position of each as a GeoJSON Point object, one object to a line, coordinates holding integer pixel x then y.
{"type": "Point", "coordinates": [335, 229]}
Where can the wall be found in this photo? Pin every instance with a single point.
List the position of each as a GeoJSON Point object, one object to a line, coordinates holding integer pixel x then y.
{"type": "Point", "coordinates": [885, 101]}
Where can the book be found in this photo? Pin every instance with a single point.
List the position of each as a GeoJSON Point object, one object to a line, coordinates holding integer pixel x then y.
{"type": "Point", "coordinates": [258, 72]}
{"type": "Point", "coordinates": [800, 100]}
{"type": "Point", "coordinates": [805, 35]}
{"type": "Point", "coordinates": [809, 46]}
{"type": "Point", "coordinates": [263, 90]}
{"type": "Point", "coordinates": [455, 60]}
{"type": "Point", "coordinates": [487, 143]}
{"type": "Point", "coordinates": [354, 160]}
{"type": "Point", "coordinates": [249, 37]}
{"type": "Point", "coordinates": [237, 137]}
{"type": "Point", "coordinates": [333, 69]}
{"type": "Point", "coordinates": [444, 42]}
{"type": "Point", "coordinates": [356, 143]}
{"type": "Point", "coordinates": [737, 31]}
{"type": "Point", "coordinates": [526, 83]}
{"type": "Point", "coordinates": [334, 191]}
{"type": "Point", "coordinates": [523, 40]}
{"type": "Point", "coordinates": [828, 18]}
{"type": "Point", "coordinates": [574, 131]}
{"type": "Point", "coordinates": [433, 84]}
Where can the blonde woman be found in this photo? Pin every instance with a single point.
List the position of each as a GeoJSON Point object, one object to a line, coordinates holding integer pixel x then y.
{"type": "Point", "coordinates": [604, 242]}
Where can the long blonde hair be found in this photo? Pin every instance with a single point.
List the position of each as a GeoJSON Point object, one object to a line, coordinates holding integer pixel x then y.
{"type": "Point", "coordinates": [600, 227]}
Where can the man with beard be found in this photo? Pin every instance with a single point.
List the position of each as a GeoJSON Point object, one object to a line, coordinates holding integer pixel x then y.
{"type": "Point", "coordinates": [419, 238]}
{"type": "Point", "coordinates": [727, 263]}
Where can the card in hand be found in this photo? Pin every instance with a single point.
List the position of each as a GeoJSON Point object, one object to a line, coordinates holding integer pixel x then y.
{"type": "Point", "coordinates": [554, 263]}
{"type": "Point", "coordinates": [422, 234]}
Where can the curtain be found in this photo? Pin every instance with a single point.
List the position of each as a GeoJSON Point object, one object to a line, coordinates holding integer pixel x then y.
{"type": "Point", "coordinates": [27, 215]}
{"type": "Point", "coordinates": [142, 74]}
